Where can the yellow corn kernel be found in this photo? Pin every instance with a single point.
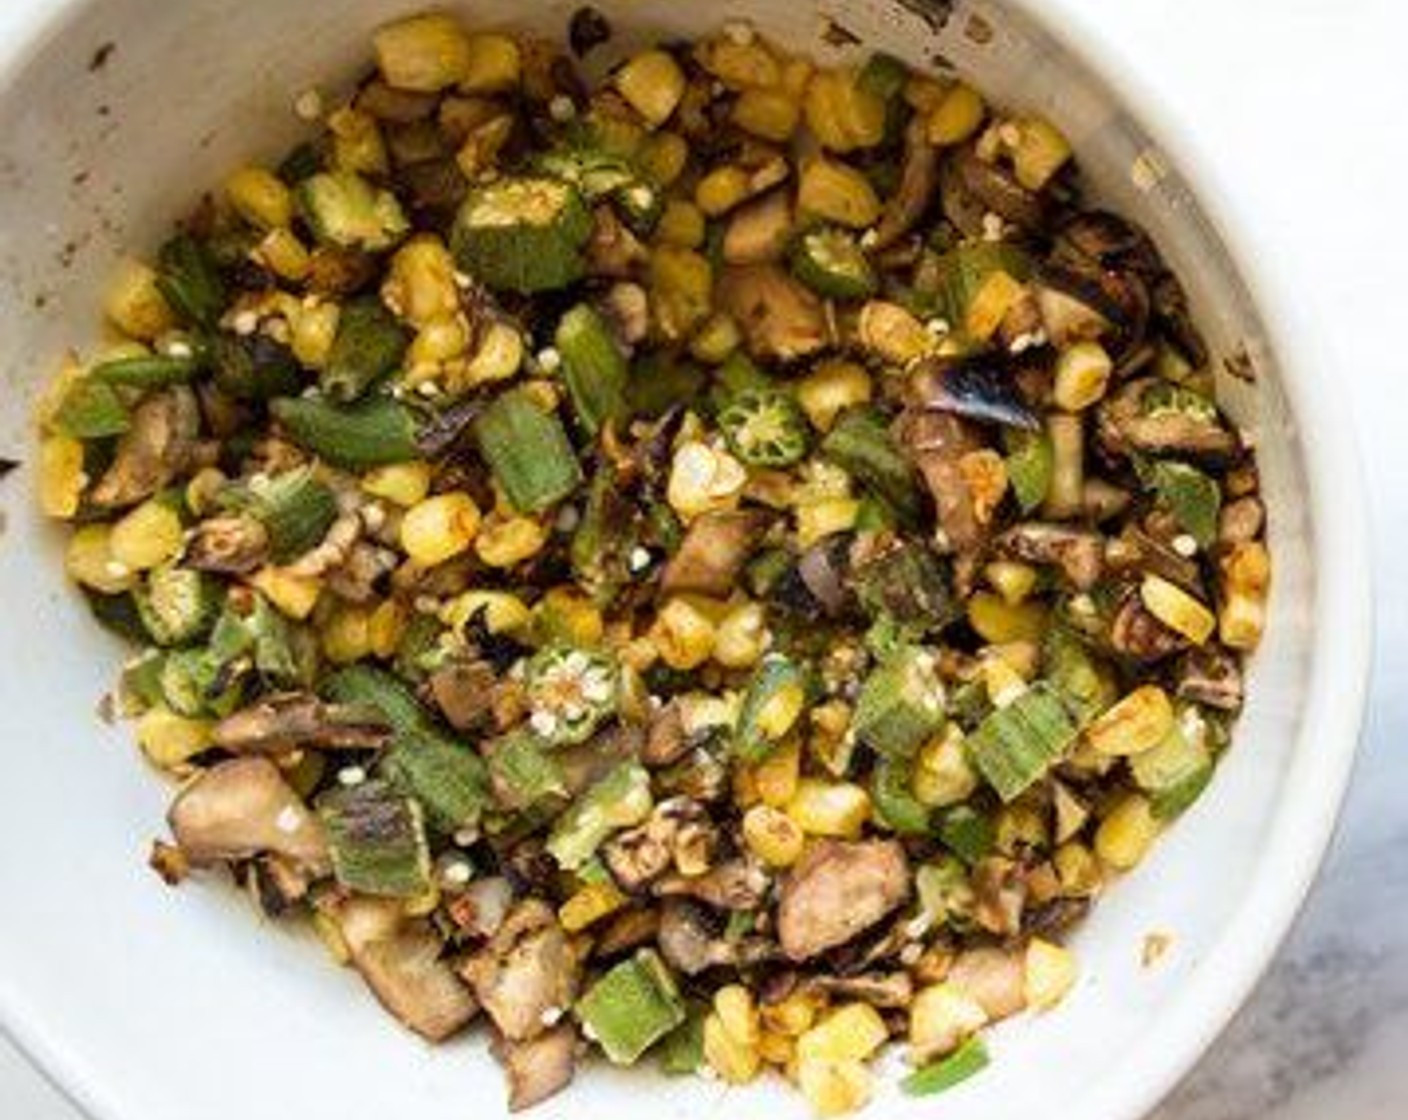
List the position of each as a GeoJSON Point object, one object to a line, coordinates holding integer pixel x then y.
{"type": "Point", "coordinates": [502, 613]}
{"type": "Point", "coordinates": [1126, 834]}
{"type": "Point", "coordinates": [740, 62]}
{"type": "Point", "coordinates": [405, 484]}
{"type": "Point", "coordinates": [483, 143]}
{"type": "Point", "coordinates": [734, 1062]}
{"type": "Point", "coordinates": [1077, 869]}
{"type": "Point", "coordinates": [956, 116]}
{"type": "Point", "coordinates": [703, 479]}
{"type": "Point", "coordinates": [437, 342]}
{"type": "Point", "coordinates": [852, 1032]}
{"type": "Point", "coordinates": [823, 808]}
{"type": "Point", "coordinates": [420, 285]}
{"type": "Point", "coordinates": [61, 475]}
{"type": "Point", "coordinates": [842, 115]}
{"type": "Point", "coordinates": [834, 1088]}
{"type": "Point", "coordinates": [505, 541]}
{"type": "Point", "coordinates": [1039, 151]}
{"type": "Point", "coordinates": [742, 637]}
{"type": "Point", "coordinates": [287, 256]}
{"type": "Point", "coordinates": [134, 303]}
{"type": "Point", "coordinates": [772, 836]}
{"type": "Point", "coordinates": [998, 621]}
{"type": "Point", "coordinates": [984, 473]}
{"type": "Point", "coordinates": [54, 391]}
{"type": "Point", "coordinates": [794, 1015]}
{"type": "Point", "coordinates": [942, 773]}
{"type": "Point", "coordinates": [426, 52]}
{"type": "Point", "coordinates": [385, 626]}
{"type": "Point", "coordinates": [1176, 609]}
{"type": "Point", "coordinates": [439, 528]}
{"type": "Point", "coordinates": [940, 1018]}
{"type": "Point", "coordinates": [681, 290]}
{"type": "Point", "coordinates": [716, 339]}
{"type": "Point", "coordinates": [260, 197]}
{"type": "Point", "coordinates": [357, 144]}
{"type": "Point", "coordinates": [203, 490]}
{"type": "Point", "coordinates": [1003, 683]}
{"type": "Point", "coordinates": [681, 224]}
{"type": "Point", "coordinates": [1011, 579]}
{"type": "Point", "coordinates": [652, 83]}
{"type": "Point", "coordinates": [493, 64]}
{"type": "Point", "coordinates": [721, 190]}
{"type": "Point", "coordinates": [990, 304]}
{"type": "Point", "coordinates": [772, 114]}
{"type": "Point", "coordinates": [797, 71]}
{"type": "Point", "coordinates": [89, 561]}
{"type": "Point", "coordinates": [1246, 582]}
{"type": "Point", "coordinates": [832, 387]}
{"type": "Point", "coordinates": [663, 157]}
{"type": "Point", "coordinates": [776, 1049]}
{"type": "Point", "coordinates": [570, 615]}
{"type": "Point", "coordinates": [498, 355]}
{"type": "Point", "coordinates": [422, 905]}
{"type": "Point", "coordinates": [838, 193]}
{"type": "Point", "coordinates": [1020, 825]}
{"type": "Point", "coordinates": [817, 520]}
{"type": "Point", "coordinates": [683, 634]}
{"type": "Point", "coordinates": [312, 332]}
{"type": "Point", "coordinates": [1049, 973]}
{"type": "Point", "coordinates": [778, 714]}
{"type": "Point", "coordinates": [292, 595]}
{"type": "Point", "coordinates": [1082, 375]}
{"type": "Point", "coordinates": [775, 777]}
{"type": "Point", "coordinates": [590, 904]}
{"type": "Point", "coordinates": [168, 740]}
{"type": "Point", "coordinates": [1137, 723]}
{"type": "Point", "coordinates": [738, 1014]}
{"type": "Point", "coordinates": [346, 634]}
{"type": "Point", "coordinates": [148, 536]}
{"type": "Point", "coordinates": [891, 332]}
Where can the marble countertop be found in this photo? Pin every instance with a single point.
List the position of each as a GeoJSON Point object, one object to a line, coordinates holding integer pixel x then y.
{"type": "Point", "coordinates": [1299, 104]}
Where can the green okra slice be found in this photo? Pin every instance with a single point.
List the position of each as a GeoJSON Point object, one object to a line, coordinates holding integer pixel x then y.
{"type": "Point", "coordinates": [178, 605]}
{"type": "Point", "coordinates": [593, 367]}
{"type": "Point", "coordinates": [631, 1007]}
{"type": "Point", "coordinates": [523, 234]}
{"type": "Point", "coordinates": [1016, 745]}
{"type": "Point", "coordinates": [901, 703]}
{"type": "Point", "coordinates": [619, 800]}
{"type": "Point", "coordinates": [188, 278]}
{"type": "Point", "coordinates": [860, 442]}
{"type": "Point", "coordinates": [370, 343]}
{"type": "Point", "coordinates": [830, 261]}
{"type": "Point", "coordinates": [342, 208]}
{"type": "Point", "coordinates": [376, 838]}
{"type": "Point", "coordinates": [370, 433]}
{"type": "Point", "coordinates": [776, 695]}
{"type": "Point", "coordinates": [527, 450]}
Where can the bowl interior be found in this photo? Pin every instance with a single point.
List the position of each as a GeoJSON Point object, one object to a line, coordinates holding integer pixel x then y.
{"type": "Point", "coordinates": [158, 1005]}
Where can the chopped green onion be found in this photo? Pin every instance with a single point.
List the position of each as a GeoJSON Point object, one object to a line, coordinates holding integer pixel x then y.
{"type": "Point", "coordinates": [632, 1007]}
{"type": "Point", "coordinates": [1175, 772]}
{"type": "Point", "coordinates": [619, 800]}
{"type": "Point", "coordinates": [376, 838]}
{"type": "Point", "coordinates": [969, 1059]}
{"type": "Point", "coordinates": [528, 451]}
{"type": "Point", "coordinates": [1016, 745]}
{"type": "Point", "coordinates": [901, 703]}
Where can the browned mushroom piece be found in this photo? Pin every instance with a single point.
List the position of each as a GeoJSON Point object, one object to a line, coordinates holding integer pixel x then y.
{"type": "Point", "coordinates": [758, 232]}
{"type": "Point", "coordinates": [781, 319]}
{"type": "Point", "coordinates": [665, 740]}
{"type": "Point", "coordinates": [993, 978]}
{"type": "Point", "coordinates": [837, 891]}
{"type": "Point", "coordinates": [981, 387]}
{"type": "Point", "coordinates": [1135, 633]}
{"type": "Point", "coordinates": [626, 308]}
{"type": "Point", "coordinates": [972, 188]}
{"type": "Point", "coordinates": [464, 693]}
{"type": "Point", "coordinates": [626, 930]}
{"type": "Point", "coordinates": [536, 1068]}
{"type": "Point", "coordinates": [399, 958]}
{"type": "Point", "coordinates": [613, 250]}
{"type": "Point", "coordinates": [526, 976]}
{"type": "Point", "coordinates": [1000, 895]}
{"type": "Point", "coordinates": [1106, 239]}
{"type": "Point", "coordinates": [1102, 500]}
{"type": "Point", "coordinates": [1134, 420]}
{"type": "Point", "coordinates": [1079, 553]}
{"type": "Point", "coordinates": [155, 450]}
{"type": "Point", "coordinates": [736, 884]}
{"type": "Point", "coordinates": [282, 722]}
{"type": "Point", "coordinates": [1210, 676]}
{"type": "Point", "coordinates": [233, 545]}
{"type": "Point", "coordinates": [919, 179]}
{"type": "Point", "coordinates": [825, 571]}
{"type": "Point", "coordinates": [691, 941]}
{"type": "Point", "coordinates": [937, 442]}
{"type": "Point", "coordinates": [243, 808]}
{"type": "Point", "coordinates": [713, 552]}
{"type": "Point", "coordinates": [1241, 521]}
{"type": "Point", "coordinates": [879, 989]}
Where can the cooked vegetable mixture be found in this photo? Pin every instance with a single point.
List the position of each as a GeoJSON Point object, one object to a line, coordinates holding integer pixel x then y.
{"type": "Point", "coordinates": [720, 568]}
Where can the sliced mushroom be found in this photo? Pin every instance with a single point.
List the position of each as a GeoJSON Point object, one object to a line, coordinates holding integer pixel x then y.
{"type": "Point", "coordinates": [938, 441]}
{"type": "Point", "coordinates": [539, 1067]}
{"type": "Point", "coordinates": [234, 545]}
{"type": "Point", "coordinates": [1135, 633]}
{"type": "Point", "coordinates": [919, 178]}
{"type": "Point", "coordinates": [399, 958]}
{"type": "Point", "coordinates": [973, 188]}
{"type": "Point", "coordinates": [626, 930]}
{"type": "Point", "coordinates": [982, 388]}
{"type": "Point", "coordinates": [837, 891]}
{"type": "Point", "coordinates": [993, 978]}
{"type": "Point", "coordinates": [1079, 553]}
{"type": "Point", "coordinates": [713, 552]}
{"type": "Point", "coordinates": [665, 740]}
{"type": "Point", "coordinates": [243, 808]}
{"type": "Point", "coordinates": [526, 976]}
{"type": "Point", "coordinates": [1210, 676]}
{"type": "Point", "coordinates": [276, 884]}
{"type": "Point", "coordinates": [1241, 521]}
{"type": "Point", "coordinates": [691, 942]}
{"type": "Point", "coordinates": [1108, 240]}
{"type": "Point", "coordinates": [464, 693]}
{"type": "Point", "coordinates": [758, 232]}
{"type": "Point", "coordinates": [738, 884]}
{"type": "Point", "coordinates": [781, 319]}
{"type": "Point", "coordinates": [1129, 422]}
{"type": "Point", "coordinates": [1000, 894]}
{"type": "Point", "coordinates": [285, 721]}
{"type": "Point", "coordinates": [879, 989]}
{"type": "Point", "coordinates": [613, 250]}
{"type": "Point", "coordinates": [155, 449]}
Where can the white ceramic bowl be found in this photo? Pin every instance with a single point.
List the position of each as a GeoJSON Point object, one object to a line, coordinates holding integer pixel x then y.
{"type": "Point", "coordinates": [148, 1004]}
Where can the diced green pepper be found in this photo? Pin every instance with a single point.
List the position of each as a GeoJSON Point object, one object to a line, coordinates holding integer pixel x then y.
{"type": "Point", "coordinates": [631, 1007]}
{"type": "Point", "coordinates": [970, 1058]}
{"type": "Point", "coordinates": [619, 800]}
{"type": "Point", "coordinates": [370, 342]}
{"type": "Point", "coordinates": [376, 838]}
{"type": "Point", "coordinates": [830, 261]}
{"type": "Point", "coordinates": [528, 451]}
{"type": "Point", "coordinates": [1016, 745]}
{"type": "Point", "coordinates": [593, 367]}
{"type": "Point", "coordinates": [901, 703]}
{"type": "Point", "coordinates": [523, 234]}
{"type": "Point", "coordinates": [765, 428]}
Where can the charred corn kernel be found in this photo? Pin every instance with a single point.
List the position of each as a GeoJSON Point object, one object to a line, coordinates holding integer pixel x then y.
{"type": "Point", "coordinates": [1011, 579]}
{"type": "Point", "coordinates": [1126, 834]}
{"type": "Point", "coordinates": [834, 1088]}
{"type": "Point", "coordinates": [134, 303]}
{"type": "Point", "coordinates": [1077, 869]}
{"type": "Point", "coordinates": [571, 614]}
{"type": "Point", "coordinates": [439, 528]}
{"type": "Point", "coordinates": [61, 475]}
{"type": "Point", "coordinates": [1039, 151]}
{"type": "Point", "coordinates": [405, 484]}
{"type": "Point", "coordinates": [776, 1049]}
{"type": "Point", "coordinates": [721, 190]}
{"type": "Point", "coordinates": [797, 71]}
{"type": "Point", "coordinates": [420, 284]}
{"type": "Point", "coordinates": [312, 331]}
{"type": "Point", "coordinates": [385, 627]}
{"type": "Point", "coordinates": [1049, 973]}
{"type": "Point", "coordinates": [737, 1012]}
{"type": "Point", "coordinates": [742, 637]}
{"type": "Point", "coordinates": [740, 65]}
{"type": "Point", "coordinates": [942, 773]}
{"type": "Point", "coordinates": [346, 634]}
{"type": "Point", "coordinates": [1003, 683]}
{"type": "Point", "coordinates": [681, 290]}
{"type": "Point", "coordinates": [1136, 723]}
{"type": "Point", "coordinates": [503, 542]}
{"type": "Point", "coordinates": [1023, 657]}
{"type": "Point", "coordinates": [356, 142]}
{"type": "Point", "coordinates": [493, 64]}
{"type": "Point", "coordinates": [817, 520]}
{"type": "Point", "coordinates": [794, 1015]}
{"type": "Point", "coordinates": [838, 193]}
{"type": "Point", "coordinates": [497, 356]}
{"type": "Point", "coordinates": [956, 116]}
{"type": "Point", "coordinates": [1020, 825]}
{"type": "Point", "coordinates": [823, 808]}
{"type": "Point", "coordinates": [831, 388]}
{"type": "Point", "coordinates": [482, 145]}
{"type": "Point", "coordinates": [652, 83]}
{"type": "Point", "coordinates": [590, 904]}
{"type": "Point", "coordinates": [89, 561]}
{"type": "Point", "coordinates": [437, 342]}
{"type": "Point", "coordinates": [292, 595]}
{"type": "Point", "coordinates": [663, 156]}
{"type": "Point", "coordinates": [990, 305]}
{"type": "Point", "coordinates": [842, 115]}
{"type": "Point", "coordinates": [984, 473]}
{"type": "Point", "coordinates": [287, 256]}
{"type": "Point", "coordinates": [260, 197]}
{"type": "Point", "coordinates": [638, 654]}
{"type": "Point", "coordinates": [426, 52]}
{"type": "Point", "coordinates": [716, 340]}
{"type": "Point", "coordinates": [703, 479]}
{"type": "Point", "coordinates": [683, 634]}
{"type": "Point", "coordinates": [852, 1032]}
{"type": "Point", "coordinates": [1176, 609]}
{"type": "Point", "coordinates": [998, 621]}
{"type": "Point", "coordinates": [169, 740]}
{"type": "Point", "coordinates": [772, 114]}
{"type": "Point", "coordinates": [941, 1017]}
{"type": "Point", "coordinates": [891, 332]}
{"type": "Point", "coordinates": [203, 490]}
{"type": "Point", "coordinates": [778, 714]}
{"type": "Point", "coordinates": [1082, 374]}
{"type": "Point", "coordinates": [775, 777]}
{"type": "Point", "coordinates": [772, 836]}
{"type": "Point", "coordinates": [734, 1062]}
{"type": "Point", "coordinates": [1246, 581]}
{"type": "Point", "coordinates": [681, 224]}
{"type": "Point", "coordinates": [503, 613]}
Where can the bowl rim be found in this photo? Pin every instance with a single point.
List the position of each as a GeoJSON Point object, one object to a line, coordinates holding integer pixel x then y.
{"type": "Point", "coordinates": [1340, 668]}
